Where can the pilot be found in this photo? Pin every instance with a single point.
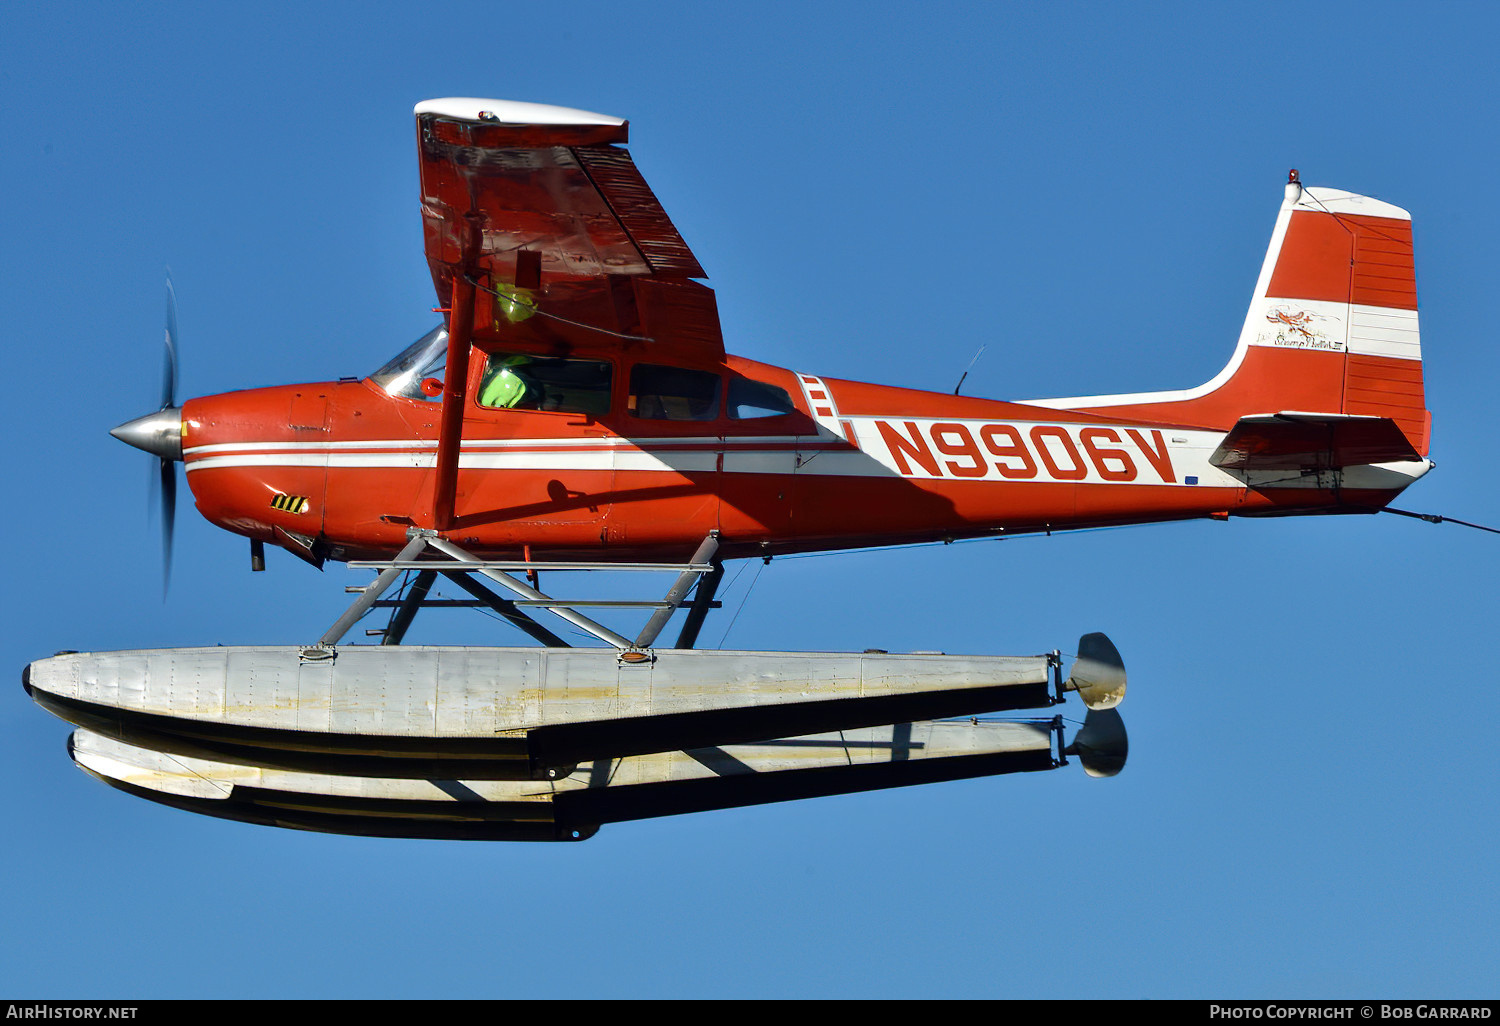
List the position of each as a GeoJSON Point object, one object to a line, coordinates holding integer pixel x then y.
{"type": "Point", "coordinates": [505, 384]}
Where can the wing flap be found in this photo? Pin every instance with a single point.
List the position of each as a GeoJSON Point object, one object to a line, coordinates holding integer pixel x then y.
{"type": "Point", "coordinates": [639, 211]}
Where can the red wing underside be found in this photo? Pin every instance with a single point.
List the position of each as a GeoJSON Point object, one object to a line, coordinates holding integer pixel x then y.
{"type": "Point", "coordinates": [563, 213]}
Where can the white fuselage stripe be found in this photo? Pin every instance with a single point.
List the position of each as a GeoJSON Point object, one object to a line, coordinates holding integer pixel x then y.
{"type": "Point", "coordinates": [483, 444]}
{"type": "Point", "coordinates": [953, 449]}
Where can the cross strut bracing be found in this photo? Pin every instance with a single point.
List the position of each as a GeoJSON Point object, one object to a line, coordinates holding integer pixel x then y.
{"type": "Point", "coordinates": [429, 555]}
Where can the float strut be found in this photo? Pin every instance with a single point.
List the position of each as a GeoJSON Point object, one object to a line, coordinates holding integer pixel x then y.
{"type": "Point", "coordinates": [505, 608]}
{"type": "Point", "coordinates": [407, 611]}
{"type": "Point", "coordinates": [703, 600]}
{"type": "Point", "coordinates": [509, 583]}
{"type": "Point", "coordinates": [367, 598]}
{"type": "Point", "coordinates": [685, 580]}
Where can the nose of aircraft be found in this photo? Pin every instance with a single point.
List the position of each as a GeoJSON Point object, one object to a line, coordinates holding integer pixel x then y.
{"type": "Point", "coordinates": [158, 433]}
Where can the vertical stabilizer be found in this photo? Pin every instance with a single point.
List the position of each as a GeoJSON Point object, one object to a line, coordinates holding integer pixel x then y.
{"type": "Point", "coordinates": [1331, 328]}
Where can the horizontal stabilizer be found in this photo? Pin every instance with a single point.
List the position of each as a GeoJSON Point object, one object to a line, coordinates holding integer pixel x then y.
{"type": "Point", "coordinates": [1311, 441]}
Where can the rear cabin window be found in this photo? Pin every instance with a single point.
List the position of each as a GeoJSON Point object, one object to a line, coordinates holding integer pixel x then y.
{"type": "Point", "coordinates": [516, 381]}
{"type": "Point", "coordinates": [752, 400]}
{"type": "Point", "coordinates": [673, 393]}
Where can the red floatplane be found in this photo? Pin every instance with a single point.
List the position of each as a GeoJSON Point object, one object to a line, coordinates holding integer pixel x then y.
{"type": "Point", "coordinates": [576, 410]}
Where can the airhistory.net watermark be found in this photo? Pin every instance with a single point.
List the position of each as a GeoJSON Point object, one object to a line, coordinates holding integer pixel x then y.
{"type": "Point", "coordinates": [41, 1010]}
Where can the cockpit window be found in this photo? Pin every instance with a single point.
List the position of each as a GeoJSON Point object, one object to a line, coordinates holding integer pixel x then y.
{"type": "Point", "coordinates": [425, 358]}
{"type": "Point", "coordinates": [516, 381]}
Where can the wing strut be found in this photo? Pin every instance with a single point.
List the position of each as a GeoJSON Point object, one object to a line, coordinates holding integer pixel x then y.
{"type": "Point", "coordinates": [455, 385]}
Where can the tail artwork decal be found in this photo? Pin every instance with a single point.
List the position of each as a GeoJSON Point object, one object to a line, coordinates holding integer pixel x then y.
{"type": "Point", "coordinates": [1332, 327]}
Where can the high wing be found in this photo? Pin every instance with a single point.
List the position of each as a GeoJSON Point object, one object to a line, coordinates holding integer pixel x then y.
{"type": "Point", "coordinates": [547, 214]}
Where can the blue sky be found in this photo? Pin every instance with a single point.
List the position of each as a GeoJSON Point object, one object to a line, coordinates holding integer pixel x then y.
{"type": "Point", "coordinates": [875, 191]}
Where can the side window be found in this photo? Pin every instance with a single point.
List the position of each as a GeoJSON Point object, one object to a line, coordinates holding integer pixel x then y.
{"type": "Point", "coordinates": [752, 400]}
{"type": "Point", "coordinates": [673, 393]}
{"type": "Point", "coordinates": [515, 381]}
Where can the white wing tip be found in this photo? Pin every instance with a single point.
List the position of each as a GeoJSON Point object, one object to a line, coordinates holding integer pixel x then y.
{"type": "Point", "coordinates": [510, 112]}
{"type": "Point", "coordinates": [1337, 201]}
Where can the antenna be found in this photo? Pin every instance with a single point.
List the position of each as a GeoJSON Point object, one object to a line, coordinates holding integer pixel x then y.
{"type": "Point", "coordinates": [970, 367]}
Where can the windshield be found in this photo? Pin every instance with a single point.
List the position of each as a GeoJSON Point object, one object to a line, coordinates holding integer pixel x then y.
{"type": "Point", "coordinates": [425, 358]}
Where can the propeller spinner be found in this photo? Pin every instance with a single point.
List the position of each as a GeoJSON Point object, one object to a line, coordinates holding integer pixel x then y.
{"type": "Point", "coordinates": [160, 434]}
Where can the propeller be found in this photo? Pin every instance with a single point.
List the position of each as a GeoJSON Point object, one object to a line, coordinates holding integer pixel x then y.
{"type": "Point", "coordinates": [169, 363]}
{"type": "Point", "coordinates": [166, 472]}
{"type": "Point", "coordinates": [160, 434]}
